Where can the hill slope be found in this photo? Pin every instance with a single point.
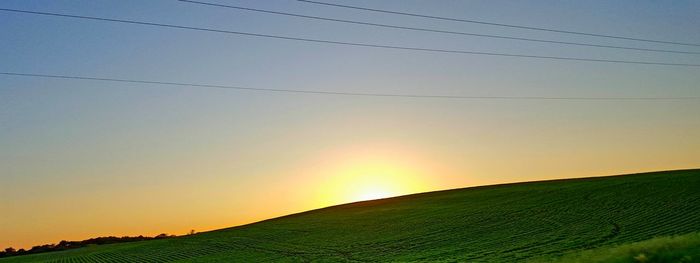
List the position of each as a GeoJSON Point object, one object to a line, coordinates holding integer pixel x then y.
{"type": "Point", "coordinates": [501, 223]}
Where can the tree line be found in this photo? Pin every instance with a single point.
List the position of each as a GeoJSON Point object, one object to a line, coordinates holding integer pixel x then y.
{"type": "Point", "coordinates": [65, 245]}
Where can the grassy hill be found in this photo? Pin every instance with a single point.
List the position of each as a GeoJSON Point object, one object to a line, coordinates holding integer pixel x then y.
{"type": "Point", "coordinates": [500, 223]}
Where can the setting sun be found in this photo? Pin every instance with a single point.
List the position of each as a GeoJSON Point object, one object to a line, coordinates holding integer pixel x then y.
{"type": "Point", "coordinates": [376, 186]}
{"type": "Point", "coordinates": [359, 175]}
{"type": "Point", "coordinates": [360, 184]}
{"type": "Point", "coordinates": [372, 193]}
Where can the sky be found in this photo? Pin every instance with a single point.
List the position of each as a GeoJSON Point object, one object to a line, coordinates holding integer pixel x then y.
{"type": "Point", "coordinates": [81, 159]}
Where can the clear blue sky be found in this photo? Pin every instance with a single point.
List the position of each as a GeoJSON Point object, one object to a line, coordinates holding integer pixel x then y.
{"type": "Point", "coordinates": [81, 159]}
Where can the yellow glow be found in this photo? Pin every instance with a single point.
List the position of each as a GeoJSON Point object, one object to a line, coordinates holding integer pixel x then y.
{"type": "Point", "coordinates": [373, 192]}
{"type": "Point", "coordinates": [362, 176]}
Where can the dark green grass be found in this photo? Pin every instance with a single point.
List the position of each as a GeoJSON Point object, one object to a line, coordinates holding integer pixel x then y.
{"type": "Point", "coordinates": [502, 223]}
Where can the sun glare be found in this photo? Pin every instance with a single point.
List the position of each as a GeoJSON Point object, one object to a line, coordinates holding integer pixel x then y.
{"type": "Point", "coordinates": [373, 193]}
{"type": "Point", "coordinates": [362, 185]}
{"type": "Point", "coordinates": [362, 178]}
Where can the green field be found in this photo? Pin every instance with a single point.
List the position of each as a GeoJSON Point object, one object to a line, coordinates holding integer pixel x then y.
{"type": "Point", "coordinates": [535, 221]}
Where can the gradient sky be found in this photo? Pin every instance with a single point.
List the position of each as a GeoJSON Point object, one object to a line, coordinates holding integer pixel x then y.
{"type": "Point", "coordinates": [80, 159]}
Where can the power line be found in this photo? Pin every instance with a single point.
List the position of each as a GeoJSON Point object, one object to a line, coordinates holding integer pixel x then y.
{"type": "Point", "coordinates": [500, 24]}
{"type": "Point", "coordinates": [435, 30]}
{"type": "Point", "coordinates": [351, 43]}
{"type": "Point", "coordinates": [350, 93]}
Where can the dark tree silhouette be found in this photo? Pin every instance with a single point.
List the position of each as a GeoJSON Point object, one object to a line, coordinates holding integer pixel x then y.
{"type": "Point", "coordinates": [64, 244]}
